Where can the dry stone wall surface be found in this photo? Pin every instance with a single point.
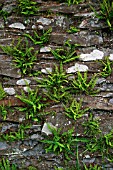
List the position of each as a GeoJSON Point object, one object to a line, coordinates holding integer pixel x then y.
{"type": "Point", "coordinates": [95, 43]}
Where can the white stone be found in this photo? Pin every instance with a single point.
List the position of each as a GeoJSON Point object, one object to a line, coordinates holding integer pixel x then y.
{"type": "Point", "coordinates": [94, 55]}
{"type": "Point", "coordinates": [44, 21]}
{"type": "Point", "coordinates": [47, 70]}
{"type": "Point", "coordinates": [111, 57]}
{"type": "Point", "coordinates": [10, 91]}
{"type": "Point", "coordinates": [77, 67]}
{"type": "Point", "coordinates": [87, 156]}
{"type": "Point", "coordinates": [33, 26]}
{"type": "Point", "coordinates": [23, 82]}
{"type": "Point", "coordinates": [60, 21]}
{"type": "Point", "coordinates": [27, 89]}
{"type": "Point", "coordinates": [40, 27]}
{"type": "Point", "coordinates": [45, 49]}
{"type": "Point", "coordinates": [17, 25]}
{"type": "Point", "coordinates": [46, 130]}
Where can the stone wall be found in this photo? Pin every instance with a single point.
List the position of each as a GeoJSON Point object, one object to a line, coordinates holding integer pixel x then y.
{"type": "Point", "coordinates": [94, 40]}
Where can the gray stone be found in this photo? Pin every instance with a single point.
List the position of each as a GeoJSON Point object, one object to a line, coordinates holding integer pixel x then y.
{"type": "Point", "coordinates": [91, 22]}
{"type": "Point", "coordinates": [89, 160]}
{"type": "Point", "coordinates": [3, 146]}
{"type": "Point", "coordinates": [85, 39]}
{"type": "Point", "coordinates": [46, 130]}
{"type": "Point", "coordinates": [108, 95]}
{"type": "Point", "coordinates": [111, 101]}
{"type": "Point", "coordinates": [35, 136]}
{"type": "Point", "coordinates": [15, 73]}
{"type": "Point", "coordinates": [8, 8]}
{"type": "Point", "coordinates": [60, 21]}
{"type": "Point", "coordinates": [23, 82]}
{"type": "Point", "coordinates": [46, 70]}
{"type": "Point", "coordinates": [45, 49]}
{"type": "Point", "coordinates": [10, 91]}
{"type": "Point", "coordinates": [100, 80]}
{"type": "Point", "coordinates": [82, 38]}
{"type": "Point", "coordinates": [17, 25]}
{"type": "Point", "coordinates": [87, 14]}
{"type": "Point", "coordinates": [44, 21]}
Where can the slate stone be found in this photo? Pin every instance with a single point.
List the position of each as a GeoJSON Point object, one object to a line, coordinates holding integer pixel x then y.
{"type": "Point", "coordinates": [46, 70]}
{"type": "Point", "coordinates": [3, 146]}
{"type": "Point", "coordinates": [46, 130]}
{"type": "Point", "coordinates": [77, 67]}
{"type": "Point", "coordinates": [23, 82]}
{"type": "Point", "coordinates": [17, 25]}
{"type": "Point", "coordinates": [10, 91]}
{"type": "Point", "coordinates": [94, 55]}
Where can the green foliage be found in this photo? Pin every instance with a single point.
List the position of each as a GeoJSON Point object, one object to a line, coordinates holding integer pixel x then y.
{"type": "Point", "coordinates": [55, 168]}
{"type": "Point", "coordinates": [73, 30]}
{"type": "Point", "coordinates": [32, 168]}
{"type": "Point", "coordinates": [75, 110]}
{"type": "Point", "coordinates": [103, 144]}
{"type": "Point", "coordinates": [62, 142]}
{"type": "Point", "coordinates": [106, 12]}
{"type": "Point", "coordinates": [2, 92]}
{"type": "Point", "coordinates": [74, 1]}
{"type": "Point", "coordinates": [3, 112]}
{"type": "Point", "coordinates": [19, 135]}
{"type": "Point", "coordinates": [92, 167]}
{"type": "Point", "coordinates": [27, 7]}
{"type": "Point", "coordinates": [66, 54]}
{"type": "Point", "coordinates": [34, 103]}
{"type": "Point", "coordinates": [4, 14]}
{"type": "Point", "coordinates": [82, 84]}
{"type": "Point", "coordinates": [55, 84]}
{"type": "Point", "coordinates": [107, 67]}
{"type": "Point", "coordinates": [39, 39]}
{"type": "Point", "coordinates": [91, 126]}
{"type": "Point", "coordinates": [5, 165]}
{"type": "Point", "coordinates": [24, 56]}
{"type": "Point", "coordinates": [71, 2]}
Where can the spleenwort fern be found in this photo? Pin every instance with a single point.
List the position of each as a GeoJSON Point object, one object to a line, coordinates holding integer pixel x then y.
{"type": "Point", "coordinates": [27, 7]}
{"type": "Point", "coordinates": [34, 103]}
{"type": "Point", "coordinates": [39, 39]}
{"type": "Point", "coordinates": [62, 142]}
{"type": "Point", "coordinates": [107, 67]}
{"type": "Point", "coordinates": [82, 84]}
{"type": "Point", "coordinates": [75, 110]}
{"type": "Point", "coordinates": [24, 56]}
{"type": "Point", "coordinates": [55, 84]}
{"type": "Point", "coordinates": [6, 165]}
{"type": "Point", "coordinates": [66, 54]}
{"type": "Point", "coordinates": [2, 92]}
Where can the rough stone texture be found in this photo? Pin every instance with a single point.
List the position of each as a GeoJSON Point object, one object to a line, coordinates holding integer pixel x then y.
{"type": "Point", "coordinates": [94, 44]}
{"type": "Point", "coordinates": [77, 67]}
{"type": "Point", "coordinates": [17, 25]}
{"type": "Point", "coordinates": [23, 82]}
{"type": "Point", "coordinates": [10, 91]}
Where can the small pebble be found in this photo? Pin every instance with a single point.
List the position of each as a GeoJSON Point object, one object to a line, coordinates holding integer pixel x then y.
{"type": "Point", "coordinates": [23, 82]}
{"type": "Point", "coordinates": [10, 91]}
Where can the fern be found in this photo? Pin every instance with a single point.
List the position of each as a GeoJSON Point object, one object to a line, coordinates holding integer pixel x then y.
{"type": "Point", "coordinates": [75, 110]}
{"type": "Point", "coordinates": [2, 92]}
{"type": "Point", "coordinates": [39, 39]}
{"type": "Point", "coordinates": [82, 84]}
